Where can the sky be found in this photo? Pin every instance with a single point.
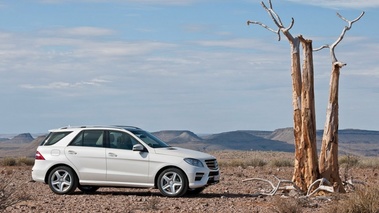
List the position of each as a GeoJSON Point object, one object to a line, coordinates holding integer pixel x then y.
{"type": "Point", "coordinates": [178, 64]}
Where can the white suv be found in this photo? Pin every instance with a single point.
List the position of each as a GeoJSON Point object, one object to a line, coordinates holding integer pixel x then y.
{"type": "Point", "coordinates": [90, 157]}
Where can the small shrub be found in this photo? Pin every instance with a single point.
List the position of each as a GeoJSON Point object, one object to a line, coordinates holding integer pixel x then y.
{"type": "Point", "coordinates": [8, 161]}
{"type": "Point", "coordinates": [282, 163]}
{"type": "Point", "coordinates": [370, 163]}
{"type": "Point", "coordinates": [287, 205]}
{"type": "Point", "coordinates": [11, 193]}
{"type": "Point", "coordinates": [364, 200]}
{"type": "Point", "coordinates": [222, 163]}
{"type": "Point", "coordinates": [256, 162]}
{"type": "Point", "coordinates": [348, 161]}
{"type": "Point", "coordinates": [24, 161]}
{"type": "Point", "coordinates": [235, 163]}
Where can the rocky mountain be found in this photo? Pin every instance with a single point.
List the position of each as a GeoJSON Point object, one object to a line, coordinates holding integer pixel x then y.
{"type": "Point", "coordinates": [284, 134]}
{"type": "Point", "coordinates": [246, 140]}
{"type": "Point", "coordinates": [18, 139]}
{"type": "Point", "coordinates": [177, 136]}
{"type": "Point", "coordinates": [20, 149]}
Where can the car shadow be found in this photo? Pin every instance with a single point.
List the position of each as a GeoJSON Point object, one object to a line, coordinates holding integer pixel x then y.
{"type": "Point", "coordinates": [157, 194]}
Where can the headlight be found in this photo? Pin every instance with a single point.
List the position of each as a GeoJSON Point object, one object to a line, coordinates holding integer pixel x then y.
{"type": "Point", "coordinates": [194, 162]}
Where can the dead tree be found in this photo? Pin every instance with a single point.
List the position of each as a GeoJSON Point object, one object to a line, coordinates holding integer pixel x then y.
{"type": "Point", "coordinates": [306, 168]}
{"type": "Point", "coordinates": [328, 160]}
{"type": "Point", "coordinates": [308, 111]}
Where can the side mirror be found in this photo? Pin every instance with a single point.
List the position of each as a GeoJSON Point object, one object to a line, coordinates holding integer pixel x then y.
{"type": "Point", "coordinates": [138, 148]}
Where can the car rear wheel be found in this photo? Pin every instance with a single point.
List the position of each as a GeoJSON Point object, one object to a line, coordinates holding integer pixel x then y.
{"type": "Point", "coordinates": [62, 180]}
{"type": "Point", "coordinates": [172, 182]}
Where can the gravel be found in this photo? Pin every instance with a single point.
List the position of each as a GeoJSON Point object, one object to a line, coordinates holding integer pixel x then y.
{"type": "Point", "coordinates": [230, 195]}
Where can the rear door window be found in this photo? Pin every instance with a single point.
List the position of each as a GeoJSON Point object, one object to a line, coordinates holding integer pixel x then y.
{"type": "Point", "coordinates": [92, 138]}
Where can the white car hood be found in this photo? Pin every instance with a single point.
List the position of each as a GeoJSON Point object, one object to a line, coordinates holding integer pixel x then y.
{"type": "Point", "coordinates": [181, 152]}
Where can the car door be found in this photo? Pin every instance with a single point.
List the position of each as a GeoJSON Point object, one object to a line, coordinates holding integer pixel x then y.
{"type": "Point", "coordinates": [87, 153]}
{"type": "Point", "coordinates": [125, 166]}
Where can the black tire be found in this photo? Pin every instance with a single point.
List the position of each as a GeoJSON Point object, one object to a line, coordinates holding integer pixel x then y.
{"type": "Point", "coordinates": [88, 189]}
{"type": "Point", "coordinates": [63, 180]}
{"type": "Point", "coordinates": [194, 192]}
{"type": "Point", "coordinates": [172, 182]}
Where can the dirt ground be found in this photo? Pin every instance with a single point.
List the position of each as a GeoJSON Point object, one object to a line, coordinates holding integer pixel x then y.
{"type": "Point", "coordinates": [232, 194]}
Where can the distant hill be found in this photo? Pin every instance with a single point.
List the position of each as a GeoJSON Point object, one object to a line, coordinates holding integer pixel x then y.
{"type": "Point", "coordinates": [246, 140]}
{"type": "Point", "coordinates": [284, 134]}
{"type": "Point", "coordinates": [18, 139]}
{"type": "Point", "coordinates": [177, 136]}
{"type": "Point", "coordinates": [22, 145]}
{"type": "Point", "coordinates": [351, 141]}
{"type": "Point", "coordinates": [22, 138]}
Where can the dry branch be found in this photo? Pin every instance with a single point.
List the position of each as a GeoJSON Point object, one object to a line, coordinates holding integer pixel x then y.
{"type": "Point", "coordinates": [333, 46]}
{"type": "Point", "coordinates": [278, 22]}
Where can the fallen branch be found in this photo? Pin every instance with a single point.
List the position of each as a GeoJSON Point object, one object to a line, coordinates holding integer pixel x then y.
{"type": "Point", "coordinates": [279, 185]}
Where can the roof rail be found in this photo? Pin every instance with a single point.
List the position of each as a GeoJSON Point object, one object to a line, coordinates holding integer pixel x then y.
{"type": "Point", "coordinates": [124, 126]}
{"type": "Point", "coordinates": [105, 126]}
{"type": "Point", "coordinates": [81, 126]}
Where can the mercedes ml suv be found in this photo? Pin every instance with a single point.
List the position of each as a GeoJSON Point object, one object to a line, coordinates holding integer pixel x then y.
{"type": "Point", "coordinates": [90, 157]}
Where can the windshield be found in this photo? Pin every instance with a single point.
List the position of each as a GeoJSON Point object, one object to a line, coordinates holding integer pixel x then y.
{"type": "Point", "coordinates": [149, 139]}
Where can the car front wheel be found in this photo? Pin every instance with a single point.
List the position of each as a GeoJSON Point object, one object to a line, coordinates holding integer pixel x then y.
{"type": "Point", "coordinates": [62, 180]}
{"type": "Point", "coordinates": [172, 182]}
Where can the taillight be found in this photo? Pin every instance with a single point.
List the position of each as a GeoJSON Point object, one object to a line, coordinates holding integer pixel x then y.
{"type": "Point", "coordinates": [39, 156]}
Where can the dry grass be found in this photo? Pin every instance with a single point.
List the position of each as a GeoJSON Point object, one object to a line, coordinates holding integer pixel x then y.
{"type": "Point", "coordinates": [363, 200]}
{"type": "Point", "coordinates": [243, 163]}
{"type": "Point", "coordinates": [285, 205]}
{"type": "Point", "coordinates": [282, 163]}
{"type": "Point", "coordinates": [20, 161]}
{"type": "Point", "coordinates": [246, 159]}
{"type": "Point", "coordinates": [358, 161]}
{"type": "Point", "coordinates": [10, 193]}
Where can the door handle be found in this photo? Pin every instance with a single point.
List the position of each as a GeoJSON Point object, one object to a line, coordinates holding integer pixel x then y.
{"type": "Point", "coordinates": [111, 154]}
{"type": "Point", "coordinates": [72, 152]}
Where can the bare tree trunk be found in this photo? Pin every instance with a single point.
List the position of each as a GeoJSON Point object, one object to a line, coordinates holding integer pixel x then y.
{"type": "Point", "coordinates": [306, 167]}
{"type": "Point", "coordinates": [328, 162]}
{"type": "Point", "coordinates": [300, 157]}
{"type": "Point", "coordinates": [308, 137]}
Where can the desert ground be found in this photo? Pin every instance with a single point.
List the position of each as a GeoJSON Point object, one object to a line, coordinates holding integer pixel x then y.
{"type": "Point", "coordinates": [19, 194]}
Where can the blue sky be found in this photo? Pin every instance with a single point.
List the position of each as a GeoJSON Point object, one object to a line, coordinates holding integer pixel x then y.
{"type": "Point", "coordinates": [174, 65]}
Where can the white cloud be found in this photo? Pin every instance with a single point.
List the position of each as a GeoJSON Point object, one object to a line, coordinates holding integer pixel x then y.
{"type": "Point", "coordinates": [80, 31]}
{"type": "Point", "coordinates": [116, 48]}
{"type": "Point", "coordinates": [252, 44]}
{"type": "Point", "coordinates": [66, 85]}
{"type": "Point", "coordinates": [150, 2]}
{"type": "Point", "coordinates": [337, 4]}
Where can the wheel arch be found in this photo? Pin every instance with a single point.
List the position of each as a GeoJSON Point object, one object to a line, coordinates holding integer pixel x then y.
{"type": "Point", "coordinates": [164, 168]}
{"type": "Point", "coordinates": [55, 166]}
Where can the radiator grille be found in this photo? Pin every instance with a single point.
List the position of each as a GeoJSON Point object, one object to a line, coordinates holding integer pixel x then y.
{"type": "Point", "coordinates": [212, 164]}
